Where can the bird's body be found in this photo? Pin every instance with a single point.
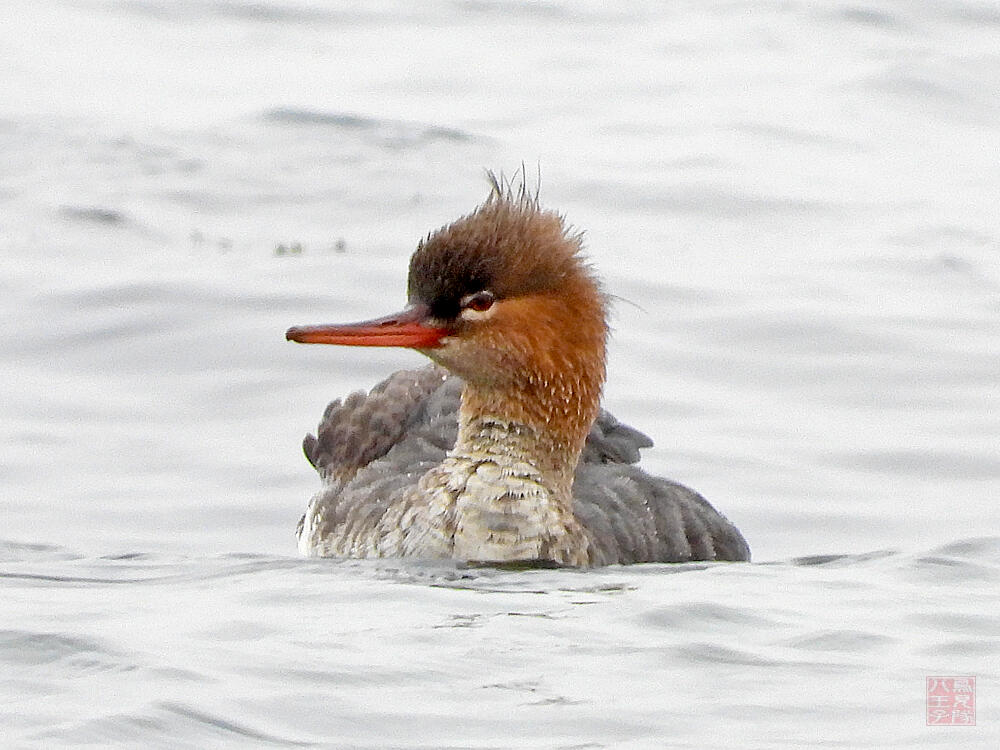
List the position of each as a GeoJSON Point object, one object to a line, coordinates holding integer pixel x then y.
{"type": "Point", "coordinates": [499, 453]}
{"type": "Point", "coordinates": [374, 451]}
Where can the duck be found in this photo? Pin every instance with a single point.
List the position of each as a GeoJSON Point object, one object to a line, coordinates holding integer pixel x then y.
{"type": "Point", "coordinates": [498, 452]}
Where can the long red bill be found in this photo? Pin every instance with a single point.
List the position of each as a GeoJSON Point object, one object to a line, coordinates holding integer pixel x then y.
{"type": "Point", "coordinates": [408, 328]}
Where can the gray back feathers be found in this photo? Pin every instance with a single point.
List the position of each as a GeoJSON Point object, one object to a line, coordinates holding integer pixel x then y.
{"type": "Point", "coordinates": [371, 449]}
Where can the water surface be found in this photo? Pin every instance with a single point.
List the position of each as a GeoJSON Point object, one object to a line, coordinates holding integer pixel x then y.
{"type": "Point", "coordinates": [795, 205]}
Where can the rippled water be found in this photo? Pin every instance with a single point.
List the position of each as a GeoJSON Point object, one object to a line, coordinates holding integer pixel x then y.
{"type": "Point", "coordinates": [795, 204]}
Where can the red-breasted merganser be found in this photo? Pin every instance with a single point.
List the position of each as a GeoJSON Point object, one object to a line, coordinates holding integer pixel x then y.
{"type": "Point", "coordinates": [499, 452]}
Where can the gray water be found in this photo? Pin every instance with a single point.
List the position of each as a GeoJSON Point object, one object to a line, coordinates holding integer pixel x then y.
{"type": "Point", "coordinates": [795, 204]}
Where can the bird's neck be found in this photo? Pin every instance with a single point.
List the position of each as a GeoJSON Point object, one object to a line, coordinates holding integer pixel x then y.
{"type": "Point", "coordinates": [516, 445]}
{"type": "Point", "coordinates": [541, 420]}
{"type": "Point", "coordinates": [510, 480]}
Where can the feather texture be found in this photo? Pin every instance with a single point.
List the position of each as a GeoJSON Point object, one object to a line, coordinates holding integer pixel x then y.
{"type": "Point", "coordinates": [372, 451]}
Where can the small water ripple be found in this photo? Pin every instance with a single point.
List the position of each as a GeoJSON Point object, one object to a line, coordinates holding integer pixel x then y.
{"type": "Point", "coordinates": [141, 569]}
{"type": "Point", "coordinates": [390, 131]}
{"type": "Point", "coordinates": [215, 724]}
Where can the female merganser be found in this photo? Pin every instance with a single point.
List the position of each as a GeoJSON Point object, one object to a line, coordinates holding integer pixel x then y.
{"type": "Point", "coordinates": [500, 452]}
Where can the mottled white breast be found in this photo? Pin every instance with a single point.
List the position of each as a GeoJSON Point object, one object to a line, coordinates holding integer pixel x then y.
{"type": "Point", "coordinates": [485, 502]}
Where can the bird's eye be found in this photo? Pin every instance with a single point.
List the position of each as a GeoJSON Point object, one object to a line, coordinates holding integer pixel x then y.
{"type": "Point", "coordinates": [480, 301]}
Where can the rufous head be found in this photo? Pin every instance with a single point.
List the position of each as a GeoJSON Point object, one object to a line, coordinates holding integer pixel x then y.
{"type": "Point", "coordinates": [503, 298]}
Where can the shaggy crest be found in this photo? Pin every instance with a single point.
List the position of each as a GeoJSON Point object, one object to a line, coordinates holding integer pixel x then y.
{"type": "Point", "coordinates": [508, 246]}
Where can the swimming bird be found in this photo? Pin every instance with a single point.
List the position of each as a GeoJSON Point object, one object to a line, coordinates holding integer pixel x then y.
{"type": "Point", "coordinates": [498, 452]}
